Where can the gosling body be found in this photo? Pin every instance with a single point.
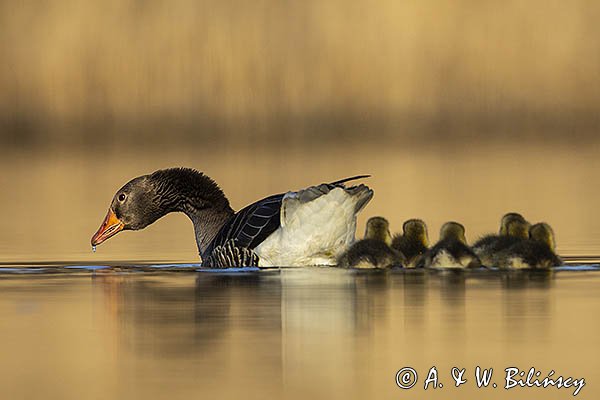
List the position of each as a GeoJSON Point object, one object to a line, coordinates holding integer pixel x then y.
{"type": "Point", "coordinates": [451, 251]}
{"type": "Point", "coordinates": [536, 252]}
{"type": "Point", "coordinates": [374, 250]}
{"type": "Point", "coordinates": [514, 228]}
{"type": "Point", "coordinates": [413, 242]}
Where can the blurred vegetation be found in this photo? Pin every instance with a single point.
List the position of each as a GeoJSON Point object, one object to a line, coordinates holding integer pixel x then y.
{"type": "Point", "coordinates": [119, 72]}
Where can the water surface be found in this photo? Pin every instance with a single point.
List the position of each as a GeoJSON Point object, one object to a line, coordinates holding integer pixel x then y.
{"type": "Point", "coordinates": [289, 333]}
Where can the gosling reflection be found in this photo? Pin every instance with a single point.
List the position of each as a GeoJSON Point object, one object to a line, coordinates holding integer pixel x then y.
{"type": "Point", "coordinates": [370, 299]}
{"type": "Point", "coordinates": [452, 295]}
{"type": "Point", "coordinates": [414, 290]}
{"type": "Point", "coordinates": [528, 279]}
{"type": "Point", "coordinates": [527, 311]}
{"type": "Point", "coordinates": [452, 286]}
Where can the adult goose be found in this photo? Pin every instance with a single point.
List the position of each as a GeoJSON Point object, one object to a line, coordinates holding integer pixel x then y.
{"type": "Point", "coordinates": [308, 227]}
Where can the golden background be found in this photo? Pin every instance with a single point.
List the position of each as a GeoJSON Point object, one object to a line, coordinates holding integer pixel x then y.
{"type": "Point", "coordinates": [459, 109]}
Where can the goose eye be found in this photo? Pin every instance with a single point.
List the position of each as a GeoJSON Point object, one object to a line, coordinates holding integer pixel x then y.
{"type": "Point", "coordinates": [122, 197]}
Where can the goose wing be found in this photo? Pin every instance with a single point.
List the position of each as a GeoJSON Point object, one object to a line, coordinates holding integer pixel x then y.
{"type": "Point", "coordinates": [253, 224]}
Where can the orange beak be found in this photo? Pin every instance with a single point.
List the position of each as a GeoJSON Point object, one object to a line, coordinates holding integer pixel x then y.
{"type": "Point", "coordinates": [110, 227]}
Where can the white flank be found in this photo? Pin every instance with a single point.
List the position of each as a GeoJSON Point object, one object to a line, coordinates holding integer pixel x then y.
{"type": "Point", "coordinates": [518, 263]}
{"type": "Point", "coordinates": [363, 264]}
{"type": "Point", "coordinates": [443, 259]}
{"type": "Point", "coordinates": [312, 232]}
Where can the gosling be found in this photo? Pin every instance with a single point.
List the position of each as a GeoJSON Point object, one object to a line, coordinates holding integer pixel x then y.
{"type": "Point", "coordinates": [536, 252]}
{"type": "Point", "coordinates": [374, 250]}
{"type": "Point", "coordinates": [451, 251]}
{"type": "Point", "coordinates": [413, 242]}
{"type": "Point", "coordinates": [513, 229]}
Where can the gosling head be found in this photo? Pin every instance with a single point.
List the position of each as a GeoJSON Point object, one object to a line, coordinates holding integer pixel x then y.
{"type": "Point", "coordinates": [416, 229]}
{"type": "Point", "coordinates": [453, 230]}
{"type": "Point", "coordinates": [378, 228]}
{"type": "Point", "coordinates": [518, 229]}
{"type": "Point", "coordinates": [511, 218]}
{"type": "Point", "coordinates": [542, 232]}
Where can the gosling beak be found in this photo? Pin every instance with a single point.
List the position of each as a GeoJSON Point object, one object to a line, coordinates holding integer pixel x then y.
{"type": "Point", "coordinates": [110, 227]}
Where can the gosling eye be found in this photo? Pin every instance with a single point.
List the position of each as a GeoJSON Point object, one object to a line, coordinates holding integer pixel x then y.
{"type": "Point", "coordinates": [122, 197]}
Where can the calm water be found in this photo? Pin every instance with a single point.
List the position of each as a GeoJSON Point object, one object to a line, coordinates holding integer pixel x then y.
{"type": "Point", "coordinates": [291, 333]}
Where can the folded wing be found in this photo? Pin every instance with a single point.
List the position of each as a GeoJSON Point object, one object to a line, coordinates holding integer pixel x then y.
{"type": "Point", "coordinates": [250, 226]}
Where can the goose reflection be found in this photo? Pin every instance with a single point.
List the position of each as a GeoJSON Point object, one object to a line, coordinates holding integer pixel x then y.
{"type": "Point", "coordinates": [166, 315]}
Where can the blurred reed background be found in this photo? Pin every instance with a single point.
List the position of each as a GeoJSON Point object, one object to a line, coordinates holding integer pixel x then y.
{"type": "Point", "coordinates": [460, 110]}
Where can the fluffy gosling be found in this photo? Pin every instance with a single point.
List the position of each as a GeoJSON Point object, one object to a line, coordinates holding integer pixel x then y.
{"type": "Point", "coordinates": [374, 250]}
{"type": "Point", "coordinates": [451, 251]}
{"type": "Point", "coordinates": [536, 252]}
{"type": "Point", "coordinates": [513, 229]}
{"type": "Point", "coordinates": [413, 242]}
